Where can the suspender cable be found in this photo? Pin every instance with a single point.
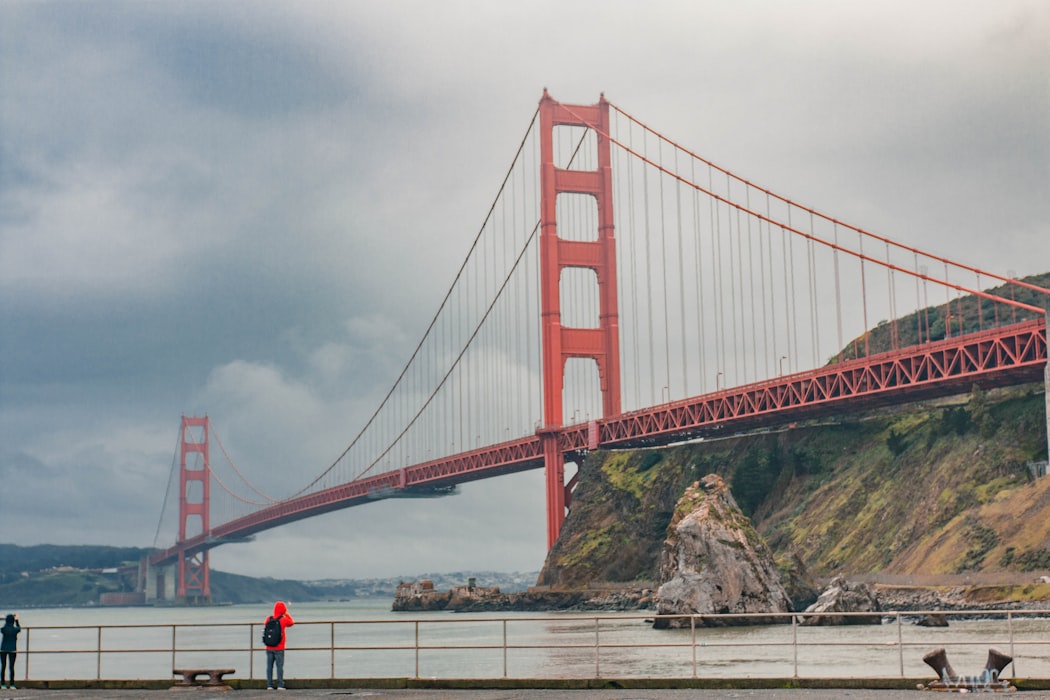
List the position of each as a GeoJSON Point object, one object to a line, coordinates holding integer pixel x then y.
{"type": "Point", "coordinates": [793, 321]}
{"type": "Point", "coordinates": [947, 306]}
{"type": "Point", "coordinates": [648, 272]}
{"type": "Point", "coordinates": [698, 278]}
{"type": "Point", "coordinates": [980, 314]}
{"type": "Point", "coordinates": [838, 295]}
{"type": "Point", "coordinates": [765, 310]}
{"type": "Point", "coordinates": [814, 317]}
{"type": "Point", "coordinates": [787, 295]}
{"type": "Point", "coordinates": [732, 287]}
{"type": "Point", "coordinates": [864, 296]}
{"type": "Point", "coordinates": [681, 280]}
{"type": "Point", "coordinates": [772, 332]}
{"type": "Point", "coordinates": [751, 291]}
{"type": "Point", "coordinates": [716, 268]}
{"type": "Point", "coordinates": [663, 283]}
{"type": "Point", "coordinates": [742, 293]}
{"type": "Point", "coordinates": [892, 300]}
{"type": "Point", "coordinates": [634, 287]}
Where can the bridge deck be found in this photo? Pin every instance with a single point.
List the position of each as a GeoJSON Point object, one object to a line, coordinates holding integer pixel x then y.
{"type": "Point", "coordinates": [1013, 354]}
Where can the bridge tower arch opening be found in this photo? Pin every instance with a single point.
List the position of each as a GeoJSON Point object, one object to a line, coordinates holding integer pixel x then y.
{"type": "Point", "coordinates": [594, 251]}
{"type": "Point", "coordinates": [193, 576]}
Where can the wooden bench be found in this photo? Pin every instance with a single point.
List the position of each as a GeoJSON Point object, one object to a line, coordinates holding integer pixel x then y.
{"type": "Point", "coordinates": [191, 677]}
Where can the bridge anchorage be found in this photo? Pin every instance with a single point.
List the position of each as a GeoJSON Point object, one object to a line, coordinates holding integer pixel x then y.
{"type": "Point", "coordinates": [676, 301]}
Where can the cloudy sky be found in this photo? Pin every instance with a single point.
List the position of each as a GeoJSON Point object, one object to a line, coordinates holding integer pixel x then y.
{"type": "Point", "coordinates": [248, 209]}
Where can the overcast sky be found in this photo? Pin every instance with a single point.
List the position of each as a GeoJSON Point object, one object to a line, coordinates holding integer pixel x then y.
{"type": "Point", "coordinates": [248, 209]}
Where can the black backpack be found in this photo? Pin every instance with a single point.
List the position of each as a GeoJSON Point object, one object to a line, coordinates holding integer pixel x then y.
{"type": "Point", "coordinates": [272, 631]}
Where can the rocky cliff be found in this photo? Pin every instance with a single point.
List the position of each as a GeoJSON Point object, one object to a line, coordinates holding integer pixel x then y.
{"type": "Point", "coordinates": [928, 489]}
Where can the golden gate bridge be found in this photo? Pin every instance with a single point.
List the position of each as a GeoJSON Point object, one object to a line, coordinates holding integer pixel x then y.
{"type": "Point", "coordinates": [623, 291]}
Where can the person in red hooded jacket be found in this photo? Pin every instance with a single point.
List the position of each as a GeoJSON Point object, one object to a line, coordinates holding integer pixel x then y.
{"type": "Point", "coordinates": [275, 654]}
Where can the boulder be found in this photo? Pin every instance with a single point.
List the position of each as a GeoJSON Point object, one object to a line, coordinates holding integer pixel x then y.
{"type": "Point", "coordinates": [933, 620]}
{"type": "Point", "coordinates": [841, 596]}
{"type": "Point", "coordinates": [715, 562]}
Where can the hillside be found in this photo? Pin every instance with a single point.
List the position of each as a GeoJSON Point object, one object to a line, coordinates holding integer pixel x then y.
{"type": "Point", "coordinates": [928, 489]}
{"type": "Point", "coordinates": [77, 575]}
{"type": "Point", "coordinates": [967, 314]}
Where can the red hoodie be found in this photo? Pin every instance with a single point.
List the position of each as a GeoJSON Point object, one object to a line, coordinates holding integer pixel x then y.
{"type": "Point", "coordinates": [280, 609]}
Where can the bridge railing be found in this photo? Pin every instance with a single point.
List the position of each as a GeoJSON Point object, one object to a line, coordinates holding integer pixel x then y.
{"type": "Point", "coordinates": [549, 647]}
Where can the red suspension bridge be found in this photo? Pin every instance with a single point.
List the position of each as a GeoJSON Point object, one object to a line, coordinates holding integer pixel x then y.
{"type": "Point", "coordinates": [623, 291]}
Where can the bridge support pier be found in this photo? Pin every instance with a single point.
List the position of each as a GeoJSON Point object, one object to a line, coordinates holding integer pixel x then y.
{"type": "Point", "coordinates": [158, 582]}
{"type": "Point", "coordinates": [554, 464]}
{"type": "Point", "coordinates": [1046, 377]}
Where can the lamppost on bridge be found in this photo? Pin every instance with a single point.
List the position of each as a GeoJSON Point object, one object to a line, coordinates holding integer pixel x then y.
{"type": "Point", "coordinates": [782, 358]}
{"type": "Point", "coordinates": [718, 381]}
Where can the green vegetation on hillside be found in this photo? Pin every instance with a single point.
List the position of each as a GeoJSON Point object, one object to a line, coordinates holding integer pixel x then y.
{"type": "Point", "coordinates": [77, 575]}
{"type": "Point", "coordinates": [931, 488]}
{"type": "Point", "coordinates": [15, 559]}
{"type": "Point", "coordinates": [967, 314]}
{"type": "Point", "coordinates": [914, 478]}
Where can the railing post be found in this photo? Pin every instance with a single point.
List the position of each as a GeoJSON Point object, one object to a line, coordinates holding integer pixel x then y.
{"type": "Point", "coordinates": [251, 651]}
{"type": "Point", "coordinates": [692, 638]}
{"type": "Point", "coordinates": [794, 642]}
{"type": "Point", "coordinates": [504, 647]}
{"type": "Point", "coordinates": [331, 646]}
{"type": "Point", "coordinates": [1010, 615]}
{"type": "Point", "coordinates": [597, 651]}
{"type": "Point", "coordinates": [28, 631]}
{"type": "Point", "coordinates": [900, 643]}
{"type": "Point", "coordinates": [98, 654]}
{"type": "Point", "coordinates": [417, 648]}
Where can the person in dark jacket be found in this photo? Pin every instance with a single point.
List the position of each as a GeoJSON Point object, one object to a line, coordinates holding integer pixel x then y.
{"type": "Point", "coordinates": [275, 654]}
{"type": "Point", "coordinates": [8, 649]}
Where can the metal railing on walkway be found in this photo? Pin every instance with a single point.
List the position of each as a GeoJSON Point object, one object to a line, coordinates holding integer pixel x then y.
{"type": "Point", "coordinates": [552, 646]}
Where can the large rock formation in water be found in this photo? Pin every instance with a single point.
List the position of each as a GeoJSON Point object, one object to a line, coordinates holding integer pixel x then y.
{"type": "Point", "coordinates": [714, 561]}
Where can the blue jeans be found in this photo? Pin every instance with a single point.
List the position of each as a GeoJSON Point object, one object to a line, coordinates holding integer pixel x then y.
{"type": "Point", "coordinates": [274, 656]}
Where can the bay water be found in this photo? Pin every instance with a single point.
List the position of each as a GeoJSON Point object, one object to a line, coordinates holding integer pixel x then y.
{"type": "Point", "coordinates": [363, 638]}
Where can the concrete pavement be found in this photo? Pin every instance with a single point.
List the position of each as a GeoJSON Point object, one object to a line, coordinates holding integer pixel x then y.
{"type": "Point", "coordinates": [495, 694]}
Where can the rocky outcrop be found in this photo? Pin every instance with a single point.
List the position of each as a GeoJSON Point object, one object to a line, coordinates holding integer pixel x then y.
{"type": "Point", "coordinates": [715, 562]}
{"type": "Point", "coordinates": [535, 600]}
{"type": "Point", "coordinates": [933, 620]}
{"type": "Point", "coordinates": [841, 596]}
{"type": "Point", "coordinates": [420, 596]}
{"type": "Point", "coordinates": [417, 596]}
{"type": "Point", "coordinates": [615, 526]}
{"type": "Point", "coordinates": [801, 587]}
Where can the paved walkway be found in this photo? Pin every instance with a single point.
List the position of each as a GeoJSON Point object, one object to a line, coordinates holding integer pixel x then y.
{"type": "Point", "coordinates": [350, 694]}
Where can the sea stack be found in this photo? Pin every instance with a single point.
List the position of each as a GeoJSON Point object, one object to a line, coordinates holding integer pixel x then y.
{"type": "Point", "coordinates": [715, 562]}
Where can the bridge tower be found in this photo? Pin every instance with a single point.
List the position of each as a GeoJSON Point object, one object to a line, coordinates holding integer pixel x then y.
{"type": "Point", "coordinates": [601, 344]}
{"type": "Point", "coordinates": [194, 505]}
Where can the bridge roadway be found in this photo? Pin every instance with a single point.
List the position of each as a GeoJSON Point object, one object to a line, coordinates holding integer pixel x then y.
{"type": "Point", "coordinates": [1012, 354]}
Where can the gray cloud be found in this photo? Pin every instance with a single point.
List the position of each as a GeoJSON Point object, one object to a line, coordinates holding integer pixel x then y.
{"type": "Point", "coordinates": [247, 209]}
